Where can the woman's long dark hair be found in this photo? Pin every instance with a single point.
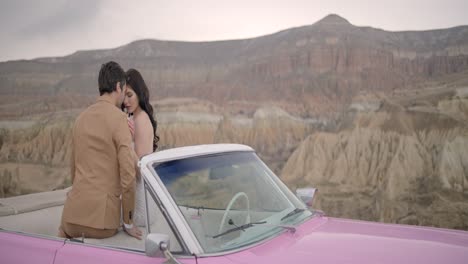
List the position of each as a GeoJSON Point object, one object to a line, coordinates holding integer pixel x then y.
{"type": "Point", "coordinates": [136, 82]}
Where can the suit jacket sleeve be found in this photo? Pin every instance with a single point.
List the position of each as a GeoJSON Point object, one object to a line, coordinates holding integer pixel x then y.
{"type": "Point", "coordinates": [72, 161]}
{"type": "Point", "coordinates": [127, 169]}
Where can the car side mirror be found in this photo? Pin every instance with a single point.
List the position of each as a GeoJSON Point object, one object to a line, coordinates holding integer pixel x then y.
{"type": "Point", "coordinates": [156, 245]}
{"type": "Point", "coordinates": [306, 195]}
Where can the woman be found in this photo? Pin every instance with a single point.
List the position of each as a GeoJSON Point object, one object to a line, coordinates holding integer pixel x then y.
{"type": "Point", "coordinates": [143, 129]}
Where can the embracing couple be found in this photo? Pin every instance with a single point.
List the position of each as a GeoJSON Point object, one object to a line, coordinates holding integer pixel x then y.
{"type": "Point", "coordinates": [107, 191]}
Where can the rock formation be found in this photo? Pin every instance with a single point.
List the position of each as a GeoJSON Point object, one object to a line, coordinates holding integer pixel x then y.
{"type": "Point", "coordinates": [398, 166]}
{"type": "Point", "coordinates": [40, 153]}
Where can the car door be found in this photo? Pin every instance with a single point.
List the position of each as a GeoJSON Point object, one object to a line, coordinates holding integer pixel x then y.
{"type": "Point", "coordinates": [76, 252]}
{"type": "Point", "coordinates": [92, 251]}
{"type": "Point", "coordinates": [19, 248]}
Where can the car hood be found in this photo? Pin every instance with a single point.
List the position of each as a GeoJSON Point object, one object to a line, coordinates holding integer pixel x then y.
{"type": "Point", "coordinates": [330, 240]}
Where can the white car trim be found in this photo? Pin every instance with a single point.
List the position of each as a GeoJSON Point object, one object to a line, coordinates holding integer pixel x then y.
{"type": "Point", "coordinates": [191, 151]}
{"type": "Point", "coordinates": [171, 208]}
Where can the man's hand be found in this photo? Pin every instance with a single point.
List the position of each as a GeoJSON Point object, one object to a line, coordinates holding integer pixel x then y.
{"type": "Point", "coordinates": [134, 232]}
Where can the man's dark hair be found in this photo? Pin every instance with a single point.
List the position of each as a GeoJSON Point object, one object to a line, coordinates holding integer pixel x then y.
{"type": "Point", "coordinates": [110, 74]}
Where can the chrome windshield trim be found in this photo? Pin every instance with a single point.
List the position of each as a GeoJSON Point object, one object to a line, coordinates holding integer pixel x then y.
{"type": "Point", "coordinates": [185, 250]}
{"type": "Point", "coordinates": [174, 213]}
{"type": "Point", "coordinates": [283, 187]}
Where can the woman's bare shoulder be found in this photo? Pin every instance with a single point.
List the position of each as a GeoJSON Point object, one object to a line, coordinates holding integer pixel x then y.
{"type": "Point", "coordinates": [142, 120]}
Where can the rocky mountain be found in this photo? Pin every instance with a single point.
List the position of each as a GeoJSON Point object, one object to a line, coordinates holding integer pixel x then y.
{"type": "Point", "coordinates": [316, 69]}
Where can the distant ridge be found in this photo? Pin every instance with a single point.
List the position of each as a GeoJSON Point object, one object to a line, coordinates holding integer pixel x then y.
{"type": "Point", "coordinates": [312, 67]}
{"type": "Point", "coordinates": [332, 19]}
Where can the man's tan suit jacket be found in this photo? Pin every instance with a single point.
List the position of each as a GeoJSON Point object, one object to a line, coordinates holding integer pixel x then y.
{"type": "Point", "coordinates": [102, 167]}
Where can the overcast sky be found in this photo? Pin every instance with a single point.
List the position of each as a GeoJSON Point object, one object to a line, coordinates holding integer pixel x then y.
{"type": "Point", "coordinates": [31, 29]}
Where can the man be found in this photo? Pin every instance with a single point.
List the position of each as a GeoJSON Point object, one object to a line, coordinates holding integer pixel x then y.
{"type": "Point", "coordinates": [102, 165]}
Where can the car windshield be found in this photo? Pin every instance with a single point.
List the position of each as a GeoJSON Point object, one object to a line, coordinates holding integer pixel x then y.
{"type": "Point", "coordinates": [230, 200]}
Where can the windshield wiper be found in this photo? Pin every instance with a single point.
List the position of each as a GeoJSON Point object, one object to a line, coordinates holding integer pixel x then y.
{"type": "Point", "coordinates": [237, 228]}
{"type": "Point", "coordinates": [293, 212]}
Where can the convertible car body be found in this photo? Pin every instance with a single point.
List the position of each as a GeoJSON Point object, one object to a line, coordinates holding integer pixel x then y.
{"type": "Point", "coordinates": [220, 204]}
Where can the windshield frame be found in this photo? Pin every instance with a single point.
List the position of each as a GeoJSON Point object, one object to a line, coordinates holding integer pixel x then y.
{"type": "Point", "coordinates": [171, 208]}
{"type": "Point", "coordinates": [267, 235]}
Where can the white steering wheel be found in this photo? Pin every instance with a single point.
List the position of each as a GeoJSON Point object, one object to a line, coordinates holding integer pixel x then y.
{"type": "Point", "coordinates": [228, 208]}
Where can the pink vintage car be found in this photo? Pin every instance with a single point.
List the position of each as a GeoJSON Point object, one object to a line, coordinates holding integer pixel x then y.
{"type": "Point", "coordinates": [220, 204]}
